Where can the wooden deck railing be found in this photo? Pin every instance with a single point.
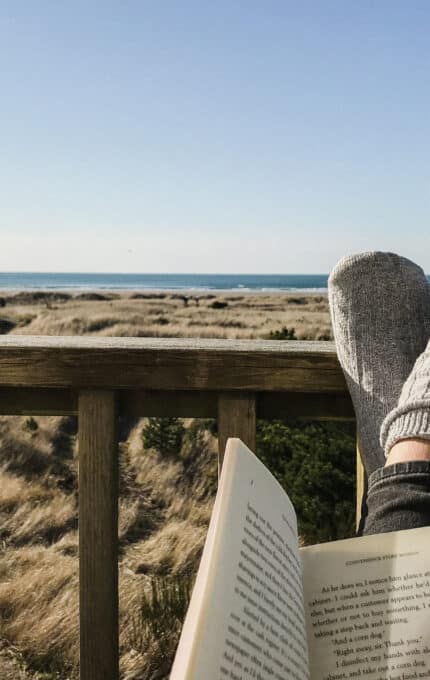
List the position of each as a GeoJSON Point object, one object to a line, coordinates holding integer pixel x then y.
{"type": "Point", "coordinates": [101, 378]}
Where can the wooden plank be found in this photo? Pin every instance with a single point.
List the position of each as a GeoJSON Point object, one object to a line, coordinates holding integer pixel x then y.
{"type": "Point", "coordinates": [269, 405]}
{"type": "Point", "coordinates": [361, 487]}
{"type": "Point", "coordinates": [98, 536]}
{"type": "Point", "coordinates": [192, 404]}
{"type": "Point", "coordinates": [305, 405]}
{"type": "Point", "coordinates": [34, 401]}
{"type": "Point", "coordinates": [197, 404]}
{"type": "Point", "coordinates": [236, 418]}
{"type": "Point", "coordinates": [140, 363]}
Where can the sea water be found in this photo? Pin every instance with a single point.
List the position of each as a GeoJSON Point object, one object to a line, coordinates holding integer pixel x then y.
{"type": "Point", "coordinates": [196, 282]}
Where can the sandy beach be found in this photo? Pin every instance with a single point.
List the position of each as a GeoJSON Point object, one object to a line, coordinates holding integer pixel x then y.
{"type": "Point", "coordinates": [167, 314]}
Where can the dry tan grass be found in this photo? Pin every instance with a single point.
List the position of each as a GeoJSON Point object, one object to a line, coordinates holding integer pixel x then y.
{"type": "Point", "coordinates": [245, 316]}
{"type": "Point", "coordinates": [36, 519]}
{"type": "Point", "coordinates": [164, 511]}
{"type": "Point", "coordinates": [39, 605]}
{"type": "Point", "coordinates": [165, 502]}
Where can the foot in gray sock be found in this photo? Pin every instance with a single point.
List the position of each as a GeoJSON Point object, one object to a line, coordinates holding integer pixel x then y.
{"type": "Point", "coordinates": [410, 419]}
{"type": "Point", "coordinates": [380, 309]}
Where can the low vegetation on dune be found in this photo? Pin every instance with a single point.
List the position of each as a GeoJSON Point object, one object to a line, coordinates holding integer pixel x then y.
{"type": "Point", "coordinates": [166, 315]}
{"type": "Point", "coordinates": [165, 504]}
{"type": "Point", "coordinates": [168, 476]}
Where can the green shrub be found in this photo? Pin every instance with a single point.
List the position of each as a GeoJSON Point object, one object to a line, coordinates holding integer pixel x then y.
{"type": "Point", "coordinates": [315, 464]}
{"type": "Point", "coordinates": [218, 304]}
{"type": "Point", "coordinates": [325, 336]}
{"type": "Point", "coordinates": [6, 326]}
{"type": "Point", "coordinates": [30, 424]}
{"type": "Point", "coordinates": [211, 425]}
{"type": "Point", "coordinates": [297, 301]}
{"type": "Point", "coordinates": [284, 334]}
{"type": "Point", "coordinates": [165, 435]}
{"type": "Point", "coordinates": [100, 324]}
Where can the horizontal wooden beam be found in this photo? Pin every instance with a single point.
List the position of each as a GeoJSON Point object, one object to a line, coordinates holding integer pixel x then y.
{"type": "Point", "coordinates": [169, 365]}
{"type": "Point", "coordinates": [36, 401]}
{"type": "Point", "coordinates": [139, 403]}
{"type": "Point", "coordinates": [309, 406]}
{"type": "Point", "coordinates": [197, 404]}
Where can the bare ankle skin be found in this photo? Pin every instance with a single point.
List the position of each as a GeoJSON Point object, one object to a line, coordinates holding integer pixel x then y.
{"type": "Point", "coordinates": [408, 450]}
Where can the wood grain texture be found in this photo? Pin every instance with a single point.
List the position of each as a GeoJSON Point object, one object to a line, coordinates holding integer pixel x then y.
{"type": "Point", "coordinates": [182, 404]}
{"type": "Point", "coordinates": [142, 363]}
{"type": "Point", "coordinates": [236, 418]}
{"type": "Point", "coordinates": [304, 405]}
{"type": "Point", "coordinates": [36, 401]}
{"type": "Point", "coordinates": [98, 536]}
{"type": "Point", "coordinates": [192, 404]}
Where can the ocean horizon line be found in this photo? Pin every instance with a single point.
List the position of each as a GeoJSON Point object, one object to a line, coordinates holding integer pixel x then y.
{"type": "Point", "coordinates": [92, 281]}
{"type": "Point", "coordinates": [157, 273]}
{"type": "Point", "coordinates": [78, 281]}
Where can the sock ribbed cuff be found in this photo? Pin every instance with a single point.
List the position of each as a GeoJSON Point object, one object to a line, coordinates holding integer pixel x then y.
{"type": "Point", "coordinates": [406, 422]}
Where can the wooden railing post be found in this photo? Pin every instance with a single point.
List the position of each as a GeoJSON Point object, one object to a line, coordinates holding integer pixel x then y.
{"type": "Point", "coordinates": [236, 418]}
{"type": "Point", "coordinates": [98, 535]}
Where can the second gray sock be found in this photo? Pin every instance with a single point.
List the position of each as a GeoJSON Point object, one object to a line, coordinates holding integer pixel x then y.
{"type": "Point", "coordinates": [411, 417]}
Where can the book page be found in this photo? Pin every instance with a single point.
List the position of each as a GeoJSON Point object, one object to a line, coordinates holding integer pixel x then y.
{"type": "Point", "coordinates": [368, 607]}
{"type": "Point", "coordinates": [246, 617]}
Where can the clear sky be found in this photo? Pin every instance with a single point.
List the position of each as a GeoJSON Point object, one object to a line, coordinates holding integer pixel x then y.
{"type": "Point", "coordinates": [198, 136]}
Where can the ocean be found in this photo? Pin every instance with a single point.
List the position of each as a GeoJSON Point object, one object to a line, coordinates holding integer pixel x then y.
{"type": "Point", "coordinates": [190, 282]}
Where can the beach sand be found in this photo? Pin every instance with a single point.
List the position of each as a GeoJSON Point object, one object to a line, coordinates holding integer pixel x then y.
{"type": "Point", "coordinates": [167, 314]}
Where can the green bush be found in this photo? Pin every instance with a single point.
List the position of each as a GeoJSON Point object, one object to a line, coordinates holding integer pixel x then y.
{"type": "Point", "coordinates": [161, 321]}
{"type": "Point", "coordinates": [315, 464]}
{"type": "Point", "coordinates": [218, 304]}
{"type": "Point", "coordinates": [284, 334]}
{"type": "Point", "coordinates": [165, 435]}
{"type": "Point", "coordinates": [30, 424]}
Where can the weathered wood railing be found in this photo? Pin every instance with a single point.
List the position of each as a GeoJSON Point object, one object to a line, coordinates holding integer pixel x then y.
{"type": "Point", "coordinates": [101, 378]}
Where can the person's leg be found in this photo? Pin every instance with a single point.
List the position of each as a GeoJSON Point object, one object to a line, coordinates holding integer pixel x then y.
{"type": "Point", "coordinates": [399, 493]}
{"type": "Point", "coordinates": [380, 308]}
{"type": "Point", "coordinates": [398, 498]}
{"type": "Point", "coordinates": [408, 450]}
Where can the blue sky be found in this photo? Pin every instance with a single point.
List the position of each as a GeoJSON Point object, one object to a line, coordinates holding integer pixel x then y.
{"type": "Point", "coordinates": [264, 137]}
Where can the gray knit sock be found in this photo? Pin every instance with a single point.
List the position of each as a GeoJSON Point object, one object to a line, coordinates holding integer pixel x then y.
{"type": "Point", "coordinates": [380, 308]}
{"type": "Point", "coordinates": [411, 417]}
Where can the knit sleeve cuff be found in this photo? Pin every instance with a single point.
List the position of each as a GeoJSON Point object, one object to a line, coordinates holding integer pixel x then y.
{"type": "Point", "coordinates": [410, 421]}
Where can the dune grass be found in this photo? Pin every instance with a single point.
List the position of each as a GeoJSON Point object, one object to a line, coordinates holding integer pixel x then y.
{"type": "Point", "coordinates": [165, 500]}
{"type": "Point", "coordinates": [220, 316]}
{"type": "Point", "coordinates": [164, 511]}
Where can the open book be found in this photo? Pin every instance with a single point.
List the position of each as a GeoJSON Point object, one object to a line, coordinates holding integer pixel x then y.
{"type": "Point", "coordinates": [263, 609]}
